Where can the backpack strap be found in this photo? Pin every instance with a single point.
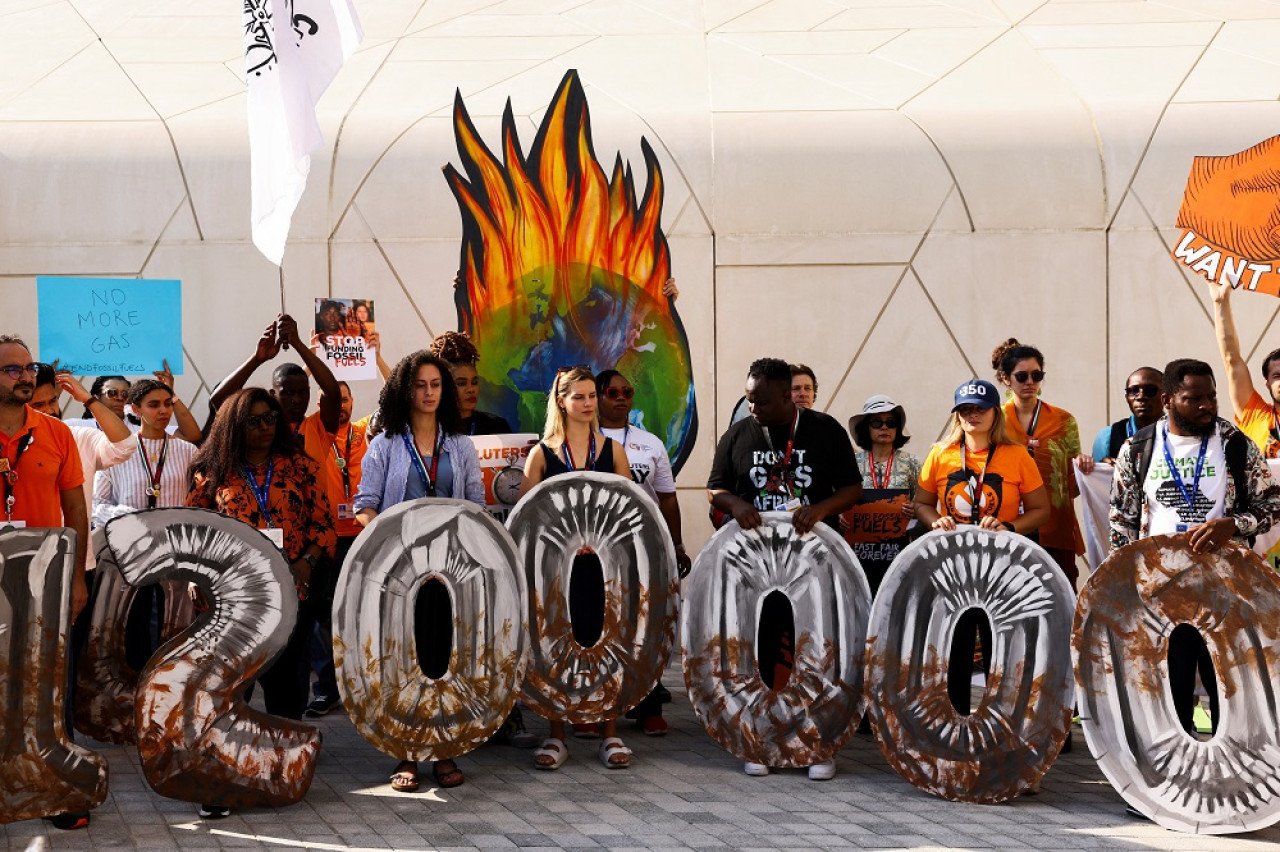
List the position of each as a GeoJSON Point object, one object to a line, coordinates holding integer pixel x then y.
{"type": "Point", "coordinates": [1119, 434]}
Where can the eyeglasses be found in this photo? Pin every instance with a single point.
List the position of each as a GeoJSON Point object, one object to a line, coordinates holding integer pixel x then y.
{"type": "Point", "coordinates": [266, 418]}
{"type": "Point", "coordinates": [114, 393]}
{"type": "Point", "coordinates": [970, 410]}
{"type": "Point", "coordinates": [1141, 390]}
{"type": "Point", "coordinates": [887, 423]}
{"type": "Point", "coordinates": [1022, 375]}
{"type": "Point", "coordinates": [17, 371]}
{"type": "Point", "coordinates": [620, 393]}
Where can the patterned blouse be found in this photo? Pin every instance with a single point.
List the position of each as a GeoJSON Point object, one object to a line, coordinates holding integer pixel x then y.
{"type": "Point", "coordinates": [297, 503]}
{"type": "Point", "coordinates": [905, 473]}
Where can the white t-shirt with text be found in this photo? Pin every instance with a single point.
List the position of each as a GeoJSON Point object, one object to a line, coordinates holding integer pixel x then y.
{"type": "Point", "coordinates": [650, 466]}
{"type": "Point", "coordinates": [1166, 507]}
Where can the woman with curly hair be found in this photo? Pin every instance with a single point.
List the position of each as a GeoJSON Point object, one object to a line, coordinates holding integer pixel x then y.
{"type": "Point", "coordinates": [456, 348]}
{"type": "Point", "coordinates": [421, 452]}
{"type": "Point", "coordinates": [1052, 438]}
{"type": "Point", "coordinates": [251, 469]}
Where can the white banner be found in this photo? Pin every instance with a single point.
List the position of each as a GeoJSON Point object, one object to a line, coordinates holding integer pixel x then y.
{"type": "Point", "coordinates": [293, 50]}
{"type": "Point", "coordinates": [1095, 499]}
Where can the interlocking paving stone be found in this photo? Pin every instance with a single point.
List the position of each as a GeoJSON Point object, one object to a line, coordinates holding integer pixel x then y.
{"type": "Point", "coordinates": [682, 792]}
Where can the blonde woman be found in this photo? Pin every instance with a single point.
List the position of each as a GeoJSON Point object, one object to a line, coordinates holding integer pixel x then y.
{"type": "Point", "coordinates": [571, 440]}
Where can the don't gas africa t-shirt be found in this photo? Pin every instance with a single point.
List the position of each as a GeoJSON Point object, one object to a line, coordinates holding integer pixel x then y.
{"type": "Point", "coordinates": [752, 465]}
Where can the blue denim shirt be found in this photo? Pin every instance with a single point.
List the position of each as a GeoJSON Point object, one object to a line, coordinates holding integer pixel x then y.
{"type": "Point", "coordinates": [384, 473]}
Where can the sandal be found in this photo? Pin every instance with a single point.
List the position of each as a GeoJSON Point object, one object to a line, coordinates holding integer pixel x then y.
{"type": "Point", "coordinates": [405, 778]}
{"type": "Point", "coordinates": [447, 773]}
{"type": "Point", "coordinates": [554, 751]}
{"type": "Point", "coordinates": [612, 747]}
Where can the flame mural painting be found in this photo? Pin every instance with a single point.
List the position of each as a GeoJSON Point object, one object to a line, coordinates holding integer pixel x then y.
{"type": "Point", "coordinates": [562, 266]}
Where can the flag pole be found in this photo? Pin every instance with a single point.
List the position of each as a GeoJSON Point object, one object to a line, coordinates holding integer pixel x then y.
{"type": "Point", "coordinates": [281, 269]}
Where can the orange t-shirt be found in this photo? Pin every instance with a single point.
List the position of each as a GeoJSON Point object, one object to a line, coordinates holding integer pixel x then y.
{"type": "Point", "coordinates": [1011, 474]}
{"type": "Point", "coordinates": [49, 465]}
{"type": "Point", "coordinates": [325, 449]}
{"type": "Point", "coordinates": [1056, 443]}
{"type": "Point", "coordinates": [1256, 421]}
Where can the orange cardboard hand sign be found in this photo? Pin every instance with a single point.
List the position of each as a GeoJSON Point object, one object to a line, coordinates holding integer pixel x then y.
{"type": "Point", "coordinates": [1230, 218]}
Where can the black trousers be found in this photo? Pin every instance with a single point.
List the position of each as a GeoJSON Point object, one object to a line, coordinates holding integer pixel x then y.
{"type": "Point", "coordinates": [972, 624]}
{"type": "Point", "coordinates": [1187, 653]}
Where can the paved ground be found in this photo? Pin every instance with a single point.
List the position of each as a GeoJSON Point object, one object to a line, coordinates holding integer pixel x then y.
{"type": "Point", "coordinates": [682, 791]}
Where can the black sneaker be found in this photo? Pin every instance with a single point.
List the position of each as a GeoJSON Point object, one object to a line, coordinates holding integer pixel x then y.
{"type": "Point", "coordinates": [213, 812]}
{"type": "Point", "coordinates": [321, 707]}
{"type": "Point", "coordinates": [70, 821]}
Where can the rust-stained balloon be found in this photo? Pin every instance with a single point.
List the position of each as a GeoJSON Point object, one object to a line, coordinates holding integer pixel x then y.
{"type": "Point", "coordinates": [198, 739]}
{"type": "Point", "coordinates": [106, 685]}
{"type": "Point", "coordinates": [1128, 609]}
{"type": "Point", "coordinates": [808, 720]}
{"type": "Point", "coordinates": [42, 773]}
{"type": "Point", "coordinates": [392, 702]}
{"type": "Point", "coordinates": [1012, 738]}
{"type": "Point", "coordinates": [610, 516]}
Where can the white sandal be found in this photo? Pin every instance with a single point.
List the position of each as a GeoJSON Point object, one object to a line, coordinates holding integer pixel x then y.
{"type": "Point", "coordinates": [554, 749]}
{"type": "Point", "coordinates": [611, 746]}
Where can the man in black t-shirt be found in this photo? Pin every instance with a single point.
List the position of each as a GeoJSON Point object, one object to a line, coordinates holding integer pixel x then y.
{"type": "Point", "coordinates": [754, 473]}
{"type": "Point", "coordinates": [782, 458]}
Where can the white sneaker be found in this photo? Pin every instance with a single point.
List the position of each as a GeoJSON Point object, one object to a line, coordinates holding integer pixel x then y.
{"type": "Point", "coordinates": [822, 771]}
{"type": "Point", "coordinates": [755, 769]}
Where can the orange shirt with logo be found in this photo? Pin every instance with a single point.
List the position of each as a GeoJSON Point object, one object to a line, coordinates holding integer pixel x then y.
{"type": "Point", "coordinates": [325, 449]}
{"type": "Point", "coordinates": [1011, 474]}
{"type": "Point", "coordinates": [49, 465]}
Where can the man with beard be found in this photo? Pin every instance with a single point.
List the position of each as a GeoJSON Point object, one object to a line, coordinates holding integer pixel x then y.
{"type": "Point", "coordinates": [1255, 415]}
{"type": "Point", "coordinates": [1191, 472]}
{"type": "Point", "coordinates": [1142, 394]}
{"type": "Point", "coordinates": [40, 481]}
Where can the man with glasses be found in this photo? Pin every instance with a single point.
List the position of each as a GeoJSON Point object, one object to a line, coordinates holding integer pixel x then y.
{"type": "Point", "coordinates": [1142, 394]}
{"type": "Point", "coordinates": [1256, 416]}
{"type": "Point", "coordinates": [40, 479]}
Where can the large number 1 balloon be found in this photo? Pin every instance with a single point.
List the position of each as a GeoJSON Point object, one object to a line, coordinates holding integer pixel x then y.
{"type": "Point", "coordinates": [198, 739]}
{"type": "Point", "coordinates": [41, 772]}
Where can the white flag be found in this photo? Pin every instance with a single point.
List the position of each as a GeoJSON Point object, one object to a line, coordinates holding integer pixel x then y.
{"type": "Point", "coordinates": [293, 50]}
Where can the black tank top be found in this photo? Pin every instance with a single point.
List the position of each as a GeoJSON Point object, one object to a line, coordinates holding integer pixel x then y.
{"type": "Point", "coordinates": [554, 462]}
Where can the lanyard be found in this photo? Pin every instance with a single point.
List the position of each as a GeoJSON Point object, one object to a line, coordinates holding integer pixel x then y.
{"type": "Point", "coordinates": [791, 439]}
{"type": "Point", "coordinates": [153, 476]}
{"type": "Point", "coordinates": [261, 494]}
{"type": "Point", "coordinates": [568, 453]}
{"type": "Point", "coordinates": [473, 424]}
{"type": "Point", "coordinates": [343, 461]}
{"type": "Point", "coordinates": [888, 469]}
{"type": "Point", "coordinates": [1130, 428]}
{"type": "Point", "coordinates": [1032, 443]}
{"type": "Point", "coordinates": [1188, 496]}
{"type": "Point", "coordinates": [428, 479]}
{"type": "Point", "coordinates": [975, 486]}
{"type": "Point", "coordinates": [9, 474]}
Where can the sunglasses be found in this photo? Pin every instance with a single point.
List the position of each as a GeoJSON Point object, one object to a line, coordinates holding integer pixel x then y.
{"type": "Point", "coordinates": [1136, 391]}
{"type": "Point", "coordinates": [887, 423]}
{"type": "Point", "coordinates": [266, 418]}
{"type": "Point", "coordinates": [17, 371]}
{"type": "Point", "coordinates": [114, 393]}
{"type": "Point", "coordinates": [620, 393]}
{"type": "Point", "coordinates": [1022, 375]}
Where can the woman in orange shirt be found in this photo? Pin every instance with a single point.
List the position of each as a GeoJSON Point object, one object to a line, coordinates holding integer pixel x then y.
{"type": "Point", "coordinates": [1053, 441]}
{"type": "Point", "coordinates": [978, 475]}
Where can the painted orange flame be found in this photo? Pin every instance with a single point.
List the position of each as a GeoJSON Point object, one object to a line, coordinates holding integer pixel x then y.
{"type": "Point", "coordinates": [553, 208]}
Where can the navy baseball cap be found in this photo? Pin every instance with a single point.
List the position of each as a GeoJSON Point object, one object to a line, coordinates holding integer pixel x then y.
{"type": "Point", "coordinates": [977, 392]}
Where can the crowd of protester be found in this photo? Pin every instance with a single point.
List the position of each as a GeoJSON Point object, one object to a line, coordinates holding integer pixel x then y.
{"type": "Point", "coordinates": [312, 479]}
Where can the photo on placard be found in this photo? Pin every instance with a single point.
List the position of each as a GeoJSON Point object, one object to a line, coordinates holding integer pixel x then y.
{"type": "Point", "coordinates": [345, 337]}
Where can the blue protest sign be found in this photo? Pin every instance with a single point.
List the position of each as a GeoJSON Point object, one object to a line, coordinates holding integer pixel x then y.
{"type": "Point", "coordinates": [104, 326]}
